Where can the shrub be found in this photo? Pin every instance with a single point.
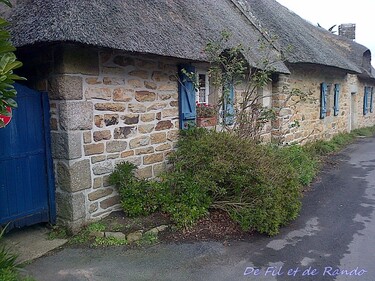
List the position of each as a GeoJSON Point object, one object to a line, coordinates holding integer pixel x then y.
{"type": "Point", "coordinates": [138, 197]}
{"type": "Point", "coordinates": [176, 194]}
{"type": "Point", "coordinates": [303, 162]}
{"type": "Point", "coordinates": [183, 198]}
{"type": "Point", "coordinates": [258, 188]}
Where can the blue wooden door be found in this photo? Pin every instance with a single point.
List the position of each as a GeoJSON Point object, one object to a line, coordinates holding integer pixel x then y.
{"type": "Point", "coordinates": [26, 177]}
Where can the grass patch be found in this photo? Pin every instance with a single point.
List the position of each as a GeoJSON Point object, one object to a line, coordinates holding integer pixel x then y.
{"type": "Point", "coordinates": [89, 236]}
{"type": "Point", "coordinates": [325, 147]}
{"type": "Point", "coordinates": [108, 241]}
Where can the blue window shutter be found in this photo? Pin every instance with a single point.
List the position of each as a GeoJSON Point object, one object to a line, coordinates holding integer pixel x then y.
{"type": "Point", "coordinates": [372, 99]}
{"type": "Point", "coordinates": [365, 97]}
{"type": "Point", "coordinates": [229, 104]}
{"type": "Point", "coordinates": [186, 97]}
{"type": "Point", "coordinates": [336, 100]}
{"type": "Point", "coordinates": [323, 100]}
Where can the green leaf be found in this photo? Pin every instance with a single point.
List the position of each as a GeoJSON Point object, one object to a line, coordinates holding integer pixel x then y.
{"type": "Point", "coordinates": [11, 103]}
{"type": "Point", "coordinates": [6, 2]}
{"type": "Point", "coordinates": [16, 77]}
{"type": "Point", "coordinates": [12, 66]}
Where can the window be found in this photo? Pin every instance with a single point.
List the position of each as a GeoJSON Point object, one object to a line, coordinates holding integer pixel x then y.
{"type": "Point", "coordinates": [193, 89]}
{"type": "Point", "coordinates": [329, 101]}
{"type": "Point", "coordinates": [372, 99]}
{"type": "Point", "coordinates": [323, 100]}
{"type": "Point", "coordinates": [368, 99]}
{"type": "Point", "coordinates": [202, 88]}
{"type": "Point", "coordinates": [336, 97]}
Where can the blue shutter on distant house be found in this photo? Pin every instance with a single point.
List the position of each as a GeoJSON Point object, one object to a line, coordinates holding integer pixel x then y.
{"type": "Point", "coordinates": [323, 100]}
{"type": "Point", "coordinates": [228, 105]}
{"type": "Point", "coordinates": [372, 100]}
{"type": "Point", "coordinates": [186, 97]}
{"type": "Point", "coordinates": [336, 107]}
{"type": "Point", "coordinates": [365, 101]}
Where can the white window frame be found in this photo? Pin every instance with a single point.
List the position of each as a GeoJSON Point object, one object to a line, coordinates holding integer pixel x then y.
{"type": "Point", "coordinates": [207, 86]}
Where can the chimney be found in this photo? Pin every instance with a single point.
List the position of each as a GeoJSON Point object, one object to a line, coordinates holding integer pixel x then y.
{"type": "Point", "coordinates": [347, 30]}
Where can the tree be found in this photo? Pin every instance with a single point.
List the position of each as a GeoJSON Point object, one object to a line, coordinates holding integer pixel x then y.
{"type": "Point", "coordinates": [8, 63]}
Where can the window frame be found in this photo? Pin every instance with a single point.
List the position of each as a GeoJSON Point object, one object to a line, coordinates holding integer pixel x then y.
{"type": "Point", "coordinates": [371, 99]}
{"type": "Point", "coordinates": [336, 99]}
{"type": "Point", "coordinates": [368, 100]}
{"type": "Point", "coordinates": [323, 100]}
{"type": "Point", "coordinates": [207, 86]}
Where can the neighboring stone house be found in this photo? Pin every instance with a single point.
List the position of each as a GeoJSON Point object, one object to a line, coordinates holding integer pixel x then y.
{"type": "Point", "coordinates": [331, 67]}
{"type": "Point", "coordinates": [111, 72]}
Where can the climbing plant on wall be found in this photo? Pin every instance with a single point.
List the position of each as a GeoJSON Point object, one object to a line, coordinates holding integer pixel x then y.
{"type": "Point", "coordinates": [245, 114]}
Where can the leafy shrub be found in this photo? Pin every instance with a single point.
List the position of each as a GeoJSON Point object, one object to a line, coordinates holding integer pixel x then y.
{"type": "Point", "coordinates": [176, 194]}
{"type": "Point", "coordinates": [183, 198]}
{"type": "Point", "coordinates": [138, 197]}
{"type": "Point", "coordinates": [302, 161]}
{"type": "Point", "coordinates": [258, 188]}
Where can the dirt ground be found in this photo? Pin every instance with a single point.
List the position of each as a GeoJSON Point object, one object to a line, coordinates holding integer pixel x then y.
{"type": "Point", "coordinates": [217, 226]}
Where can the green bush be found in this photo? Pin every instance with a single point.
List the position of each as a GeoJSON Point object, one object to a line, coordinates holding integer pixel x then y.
{"type": "Point", "coordinates": [302, 161]}
{"type": "Point", "coordinates": [183, 198]}
{"type": "Point", "coordinates": [176, 194]}
{"type": "Point", "coordinates": [138, 197]}
{"type": "Point", "coordinates": [259, 186]}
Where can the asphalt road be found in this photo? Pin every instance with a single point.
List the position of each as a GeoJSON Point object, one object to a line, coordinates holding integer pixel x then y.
{"type": "Point", "coordinates": [333, 239]}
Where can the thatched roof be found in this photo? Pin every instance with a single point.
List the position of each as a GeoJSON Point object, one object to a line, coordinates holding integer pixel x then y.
{"type": "Point", "coordinates": [182, 29]}
{"type": "Point", "coordinates": [303, 42]}
{"type": "Point", "coordinates": [174, 28]}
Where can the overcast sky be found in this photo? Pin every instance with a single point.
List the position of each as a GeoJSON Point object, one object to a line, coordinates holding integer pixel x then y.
{"type": "Point", "coordinates": [330, 12]}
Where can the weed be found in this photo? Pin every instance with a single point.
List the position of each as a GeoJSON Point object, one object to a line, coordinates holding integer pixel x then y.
{"type": "Point", "coordinates": [366, 132]}
{"type": "Point", "coordinates": [86, 234]}
{"type": "Point", "coordinates": [57, 232]}
{"type": "Point", "coordinates": [117, 227]}
{"type": "Point", "coordinates": [109, 241]}
{"type": "Point", "coordinates": [9, 268]}
{"type": "Point", "coordinates": [96, 227]}
{"type": "Point", "coordinates": [149, 238]}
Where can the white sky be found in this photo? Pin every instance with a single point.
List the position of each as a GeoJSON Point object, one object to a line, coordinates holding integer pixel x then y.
{"type": "Point", "coordinates": [330, 12]}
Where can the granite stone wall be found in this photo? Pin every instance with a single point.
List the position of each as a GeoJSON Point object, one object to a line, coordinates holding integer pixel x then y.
{"type": "Point", "coordinates": [107, 107]}
{"type": "Point", "coordinates": [305, 114]}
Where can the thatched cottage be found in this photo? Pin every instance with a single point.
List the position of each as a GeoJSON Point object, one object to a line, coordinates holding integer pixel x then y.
{"type": "Point", "coordinates": [110, 70]}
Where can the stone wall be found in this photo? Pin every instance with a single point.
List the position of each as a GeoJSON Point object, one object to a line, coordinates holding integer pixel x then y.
{"type": "Point", "coordinates": [106, 107]}
{"type": "Point", "coordinates": [357, 88]}
{"type": "Point", "coordinates": [308, 79]}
